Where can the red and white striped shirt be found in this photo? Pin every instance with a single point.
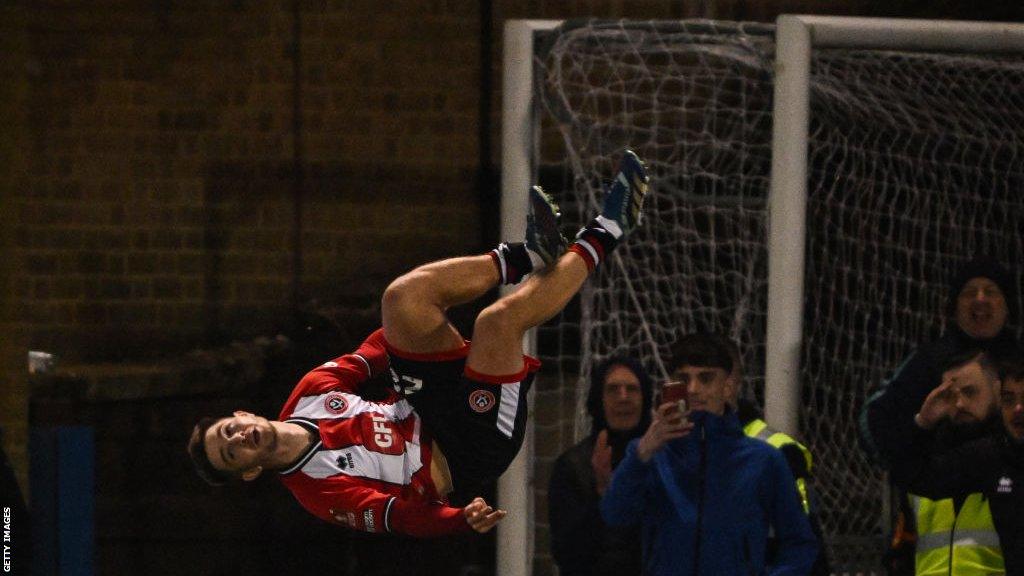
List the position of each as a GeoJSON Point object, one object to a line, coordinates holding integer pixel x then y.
{"type": "Point", "coordinates": [369, 468]}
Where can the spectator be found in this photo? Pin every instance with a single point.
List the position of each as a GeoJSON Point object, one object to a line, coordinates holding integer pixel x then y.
{"type": "Point", "coordinates": [981, 306]}
{"type": "Point", "coordinates": [992, 465]}
{"type": "Point", "coordinates": [797, 455]}
{"type": "Point", "coordinates": [706, 496]}
{"type": "Point", "coordinates": [619, 404]}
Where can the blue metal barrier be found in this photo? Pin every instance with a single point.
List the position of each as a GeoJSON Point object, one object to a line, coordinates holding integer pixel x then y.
{"type": "Point", "coordinates": [62, 470]}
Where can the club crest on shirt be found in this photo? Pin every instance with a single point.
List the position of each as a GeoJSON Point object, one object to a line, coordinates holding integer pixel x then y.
{"type": "Point", "coordinates": [335, 403]}
{"type": "Point", "coordinates": [481, 400]}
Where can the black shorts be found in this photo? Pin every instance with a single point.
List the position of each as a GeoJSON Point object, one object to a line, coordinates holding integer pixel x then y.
{"type": "Point", "coordinates": [478, 421]}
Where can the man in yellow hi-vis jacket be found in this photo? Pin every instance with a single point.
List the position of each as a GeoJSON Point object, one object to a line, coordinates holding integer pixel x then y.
{"type": "Point", "coordinates": [981, 306]}
{"type": "Point", "coordinates": [797, 455]}
{"type": "Point", "coordinates": [982, 303]}
{"type": "Point", "coordinates": [957, 535]}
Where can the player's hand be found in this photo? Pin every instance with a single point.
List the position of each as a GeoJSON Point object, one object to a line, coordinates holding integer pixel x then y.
{"type": "Point", "coordinates": [482, 517]}
{"type": "Point", "coordinates": [940, 404]}
{"type": "Point", "coordinates": [601, 462]}
{"type": "Point", "coordinates": [667, 423]}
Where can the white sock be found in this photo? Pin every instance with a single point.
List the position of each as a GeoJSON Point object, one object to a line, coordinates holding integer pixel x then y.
{"type": "Point", "coordinates": [611, 226]}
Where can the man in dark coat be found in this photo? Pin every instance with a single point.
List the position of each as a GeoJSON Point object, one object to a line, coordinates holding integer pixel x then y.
{"type": "Point", "coordinates": [992, 465]}
{"type": "Point", "coordinates": [982, 305]}
{"type": "Point", "coordinates": [619, 405]}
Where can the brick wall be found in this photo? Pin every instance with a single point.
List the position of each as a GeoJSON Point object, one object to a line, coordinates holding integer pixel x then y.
{"type": "Point", "coordinates": [181, 175]}
{"type": "Point", "coordinates": [162, 188]}
{"type": "Point", "coordinates": [161, 193]}
{"type": "Point", "coordinates": [14, 92]}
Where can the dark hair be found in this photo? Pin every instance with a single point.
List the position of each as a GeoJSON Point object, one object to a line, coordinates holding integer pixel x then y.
{"type": "Point", "coordinates": [730, 346]}
{"type": "Point", "coordinates": [967, 356]}
{"type": "Point", "coordinates": [595, 397]}
{"type": "Point", "coordinates": [1012, 367]}
{"type": "Point", "coordinates": [197, 451]}
{"type": "Point", "coordinates": [701, 349]}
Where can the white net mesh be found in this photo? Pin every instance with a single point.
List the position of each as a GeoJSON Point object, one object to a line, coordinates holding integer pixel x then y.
{"type": "Point", "coordinates": [915, 165]}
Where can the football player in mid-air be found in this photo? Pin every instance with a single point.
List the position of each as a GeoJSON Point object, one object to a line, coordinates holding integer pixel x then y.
{"type": "Point", "coordinates": [457, 414]}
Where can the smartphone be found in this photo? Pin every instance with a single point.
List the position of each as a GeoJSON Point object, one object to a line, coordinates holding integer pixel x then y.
{"type": "Point", "coordinates": [675, 392]}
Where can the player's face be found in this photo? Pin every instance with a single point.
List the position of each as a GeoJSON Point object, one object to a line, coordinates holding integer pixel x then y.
{"type": "Point", "coordinates": [1011, 404]}
{"type": "Point", "coordinates": [623, 399]}
{"type": "Point", "coordinates": [973, 391]}
{"type": "Point", "coordinates": [981, 308]}
{"type": "Point", "coordinates": [240, 442]}
{"type": "Point", "coordinates": [707, 388]}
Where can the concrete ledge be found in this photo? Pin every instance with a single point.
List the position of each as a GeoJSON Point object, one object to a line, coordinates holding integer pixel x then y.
{"type": "Point", "coordinates": [232, 368]}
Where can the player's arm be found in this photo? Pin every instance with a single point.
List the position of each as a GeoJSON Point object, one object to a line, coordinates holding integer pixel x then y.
{"type": "Point", "coordinates": [353, 504]}
{"type": "Point", "coordinates": [369, 360]}
{"type": "Point", "coordinates": [481, 517]}
{"type": "Point", "coordinates": [345, 373]}
{"type": "Point", "coordinates": [373, 351]}
{"type": "Point", "coordinates": [428, 519]}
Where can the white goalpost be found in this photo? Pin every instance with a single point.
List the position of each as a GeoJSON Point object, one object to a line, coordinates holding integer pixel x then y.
{"type": "Point", "coordinates": [514, 548]}
{"type": "Point", "coordinates": [814, 184]}
{"type": "Point", "coordinates": [796, 38]}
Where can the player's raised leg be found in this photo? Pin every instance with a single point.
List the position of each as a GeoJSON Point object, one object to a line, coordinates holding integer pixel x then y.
{"type": "Point", "coordinates": [498, 332]}
{"type": "Point", "coordinates": [414, 305]}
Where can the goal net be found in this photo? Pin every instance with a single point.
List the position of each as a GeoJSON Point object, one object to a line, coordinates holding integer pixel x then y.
{"type": "Point", "coordinates": [915, 165]}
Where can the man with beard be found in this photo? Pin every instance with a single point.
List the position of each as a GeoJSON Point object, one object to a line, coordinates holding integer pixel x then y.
{"type": "Point", "coordinates": [619, 404]}
{"type": "Point", "coordinates": [981, 305]}
{"type": "Point", "coordinates": [992, 465]}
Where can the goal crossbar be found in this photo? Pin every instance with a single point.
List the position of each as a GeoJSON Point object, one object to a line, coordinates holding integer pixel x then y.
{"type": "Point", "coordinates": [796, 37]}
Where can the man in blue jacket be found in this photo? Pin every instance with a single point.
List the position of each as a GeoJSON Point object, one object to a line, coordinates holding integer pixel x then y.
{"type": "Point", "coordinates": [705, 495]}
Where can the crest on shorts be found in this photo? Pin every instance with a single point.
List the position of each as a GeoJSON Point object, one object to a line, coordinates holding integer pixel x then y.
{"type": "Point", "coordinates": [481, 400]}
{"type": "Point", "coordinates": [335, 403]}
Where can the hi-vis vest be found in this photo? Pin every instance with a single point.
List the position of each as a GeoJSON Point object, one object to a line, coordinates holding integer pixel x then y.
{"type": "Point", "coordinates": [963, 543]}
{"type": "Point", "coordinates": [759, 429]}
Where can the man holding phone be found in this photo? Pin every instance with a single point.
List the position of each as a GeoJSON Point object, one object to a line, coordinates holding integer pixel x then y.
{"type": "Point", "coordinates": [707, 496]}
